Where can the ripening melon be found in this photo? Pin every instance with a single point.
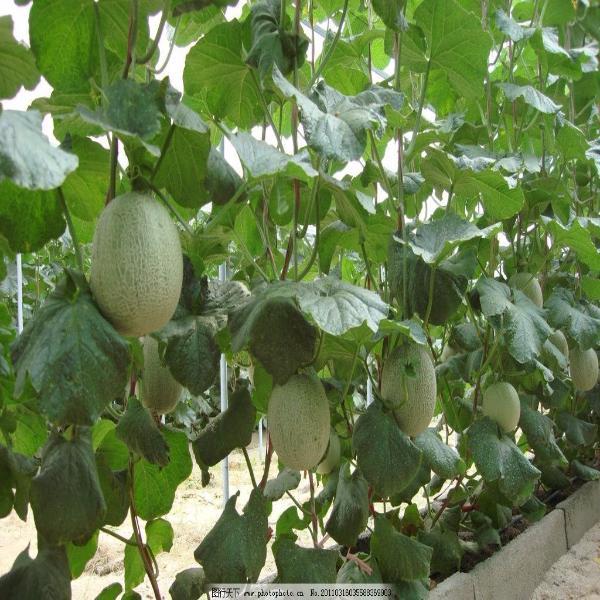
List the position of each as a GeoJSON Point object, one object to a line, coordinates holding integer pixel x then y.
{"type": "Point", "coordinates": [501, 403]}
{"type": "Point", "coordinates": [529, 285]}
{"type": "Point", "coordinates": [411, 397]}
{"type": "Point", "coordinates": [332, 458]}
{"type": "Point", "coordinates": [160, 390]}
{"type": "Point", "coordinates": [299, 424]}
{"type": "Point", "coordinates": [583, 366]}
{"type": "Point", "coordinates": [137, 264]}
{"type": "Point", "coordinates": [560, 341]}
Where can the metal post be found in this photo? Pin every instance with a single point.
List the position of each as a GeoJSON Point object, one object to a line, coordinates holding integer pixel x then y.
{"type": "Point", "coordinates": [224, 398]}
{"type": "Point", "coordinates": [19, 294]}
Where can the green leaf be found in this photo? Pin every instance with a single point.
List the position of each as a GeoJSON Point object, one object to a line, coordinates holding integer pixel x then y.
{"type": "Point", "coordinates": [578, 432]}
{"type": "Point", "coordinates": [391, 13]}
{"type": "Point", "coordinates": [180, 7]}
{"type": "Point", "coordinates": [262, 160]}
{"type": "Point", "coordinates": [216, 73]}
{"type": "Point", "coordinates": [192, 354]}
{"type": "Point", "coordinates": [26, 156]}
{"type": "Point", "coordinates": [230, 429]}
{"type": "Point", "coordinates": [79, 556]}
{"type": "Point", "coordinates": [303, 565]}
{"type": "Point", "coordinates": [131, 109]}
{"type": "Point", "coordinates": [577, 237]}
{"type": "Point", "coordinates": [499, 200]}
{"type": "Point", "coordinates": [531, 96]}
{"type": "Point", "coordinates": [110, 592]}
{"type": "Point", "coordinates": [435, 240]}
{"type": "Point", "coordinates": [66, 497]}
{"type": "Point", "coordinates": [29, 219]}
{"type": "Point", "coordinates": [235, 549]}
{"type": "Point", "coordinates": [55, 352]}
{"type": "Point", "coordinates": [573, 317]}
{"type": "Point", "coordinates": [539, 430]}
{"type": "Point", "coordinates": [246, 232]}
{"type": "Point", "coordinates": [114, 489]}
{"type": "Point", "coordinates": [277, 334]}
{"type": "Point", "coordinates": [159, 537]}
{"type": "Point", "coordinates": [154, 487]}
{"type": "Point", "coordinates": [409, 328]}
{"type": "Point", "coordinates": [222, 181]}
{"type": "Point", "coordinates": [183, 169]}
{"type": "Point", "coordinates": [379, 443]}
{"type": "Point", "coordinates": [341, 135]}
{"type": "Point", "coordinates": [30, 579]}
{"type": "Point", "coordinates": [85, 188]}
{"type": "Point", "coordinates": [441, 458]}
{"type": "Point", "coordinates": [16, 471]}
{"type": "Point", "coordinates": [350, 511]}
{"type": "Point", "coordinates": [350, 572]}
{"type": "Point", "coordinates": [63, 39]}
{"type": "Point", "coordinates": [137, 429]}
{"type": "Point", "coordinates": [521, 321]}
{"type": "Point", "coordinates": [458, 46]}
{"type": "Point", "coordinates": [114, 20]}
{"type": "Point", "coordinates": [499, 460]}
{"type": "Point", "coordinates": [188, 584]}
{"type": "Point", "coordinates": [447, 551]}
{"type": "Point", "coordinates": [584, 472]}
{"type": "Point", "coordinates": [399, 557]}
{"type": "Point", "coordinates": [511, 28]}
{"type": "Point", "coordinates": [286, 480]}
{"type": "Point", "coordinates": [272, 41]}
{"type": "Point", "coordinates": [17, 64]}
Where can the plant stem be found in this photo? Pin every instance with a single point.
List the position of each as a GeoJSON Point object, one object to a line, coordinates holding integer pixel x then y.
{"type": "Point", "coordinates": [313, 510]}
{"type": "Point", "coordinates": [163, 151]}
{"type": "Point", "coordinates": [131, 37]}
{"type": "Point", "coordinates": [170, 52]}
{"type": "Point", "coordinates": [72, 232]}
{"type": "Point", "coordinates": [114, 156]}
{"type": "Point", "coordinates": [430, 299]}
{"type": "Point", "coordinates": [331, 48]}
{"type": "Point", "coordinates": [142, 60]}
{"type": "Point", "coordinates": [298, 505]}
{"type": "Point", "coordinates": [417, 126]}
{"type": "Point", "coordinates": [265, 106]}
{"type": "Point", "coordinates": [117, 536]}
{"type": "Point", "coordinates": [315, 250]}
{"type": "Point", "coordinates": [249, 465]}
{"type": "Point", "coordinates": [170, 208]}
{"type": "Point", "coordinates": [268, 457]}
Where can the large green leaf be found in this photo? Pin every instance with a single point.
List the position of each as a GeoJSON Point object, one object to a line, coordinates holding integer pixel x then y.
{"type": "Point", "coordinates": [215, 72]}
{"type": "Point", "coordinates": [531, 96]}
{"type": "Point", "coordinates": [231, 429]}
{"type": "Point", "coordinates": [511, 28]}
{"type": "Point", "coordinates": [26, 156]}
{"type": "Point", "coordinates": [350, 511]}
{"type": "Point", "coordinates": [379, 443]}
{"type": "Point", "coordinates": [66, 497]}
{"type": "Point", "coordinates": [30, 579]}
{"type": "Point", "coordinates": [188, 585]}
{"type": "Point", "coordinates": [447, 550]}
{"type": "Point", "coordinates": [56, 349]}
{"type": "Point", "coordinates": [29, 219]}
{"type": "Point", "coordinates": [539, 430]}
{"type": "Point", "coordinates": [577, 431]}
{"type": "Point", "coordinates": [518, 318]}
{"type": "Point", "coordinates": [578, 237]}
{"type": "Point", "coordinates": [441, 458]}
{"type": "Point", "coordinates": [79, 555]}
{"type": "Point", "coordinates": [499, 460]}
{"type": "Point", "coordinates": [63, 39]}
{"type": "Point", "coordinates": [458, 46]}
{"type": "Point", "coordinates": [17, 64]}
{"type": "Point", "coordinates": [286, 480]}
{"type": "Point", "coordinates": [574, 318]}
{"type": "Point", "coordinates": [391, 13]}
{"type": "Point", "coordinates": [235, 549]}
{"type": "Point", "coordinates": [16, 472]}
{"type": "Point", "coordinates": [400, 558]}
{"type": "Point", "coordinates": [154, 487]}
{"type": "Point", "coordinates": [303, 565]}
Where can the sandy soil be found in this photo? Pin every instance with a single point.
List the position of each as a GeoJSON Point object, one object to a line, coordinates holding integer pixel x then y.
{"type": "Point", "coordinates": [576, 575]}
{"type": "Point", "coordinates": [194, 512]}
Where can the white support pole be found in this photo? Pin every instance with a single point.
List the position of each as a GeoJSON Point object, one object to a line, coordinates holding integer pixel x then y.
{"type": "Point", "coordinates": [369, 391]}
{"type": "Point", "coordinates": [19, 294]}
{"type": "Point", "coordinates": [224, 398]}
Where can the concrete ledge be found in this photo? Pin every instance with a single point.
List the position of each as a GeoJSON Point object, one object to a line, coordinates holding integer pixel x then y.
{"type": "Point", "coordinates": [515, 571]}
{"type": "Point", "coordinates": [460, 586]}
{"type": "Point", "coordinates": [581, 510]}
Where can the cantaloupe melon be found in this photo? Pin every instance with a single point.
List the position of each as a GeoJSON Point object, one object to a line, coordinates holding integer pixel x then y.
{"type": "Point", "coordinates": [332, 458]}
{"type": "Point", "coordinates": [137, 264]}
{"type": "Point", "coordinates": [501, 403]}
{"type": "Point", "coordinates": [583, 366]}
{"type": "Point", "coordinates": [160, 390]}
{"type": "Point", "coordinates": [560, 341]}
{"type": "Point", "coordinates": [411, 397]}
{"type": "Point", "coordinates": [529, 285]}
{"type": "Point", "coordinates": [299, 423]}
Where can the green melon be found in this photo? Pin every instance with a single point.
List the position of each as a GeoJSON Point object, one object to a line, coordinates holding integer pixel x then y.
{"type": "Point", "coordinates": [332, 458]}
{"type": "Point", "coordinates": [501, 403]}
{"type": "Point", "coordinates": [160, 390]}
{"type": "Point", "coordinates": [298, 420]}
{"type": "Point", "coordinates": [137, 264]}
{"type": "Point", "coordinates": [560, 341]}
{"type": "Point", "coordinates": [583, 366]}
{"type": "Point", "coordinates": [411, 397]}
{"type": "Point", "coordinates": [529, 285]}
